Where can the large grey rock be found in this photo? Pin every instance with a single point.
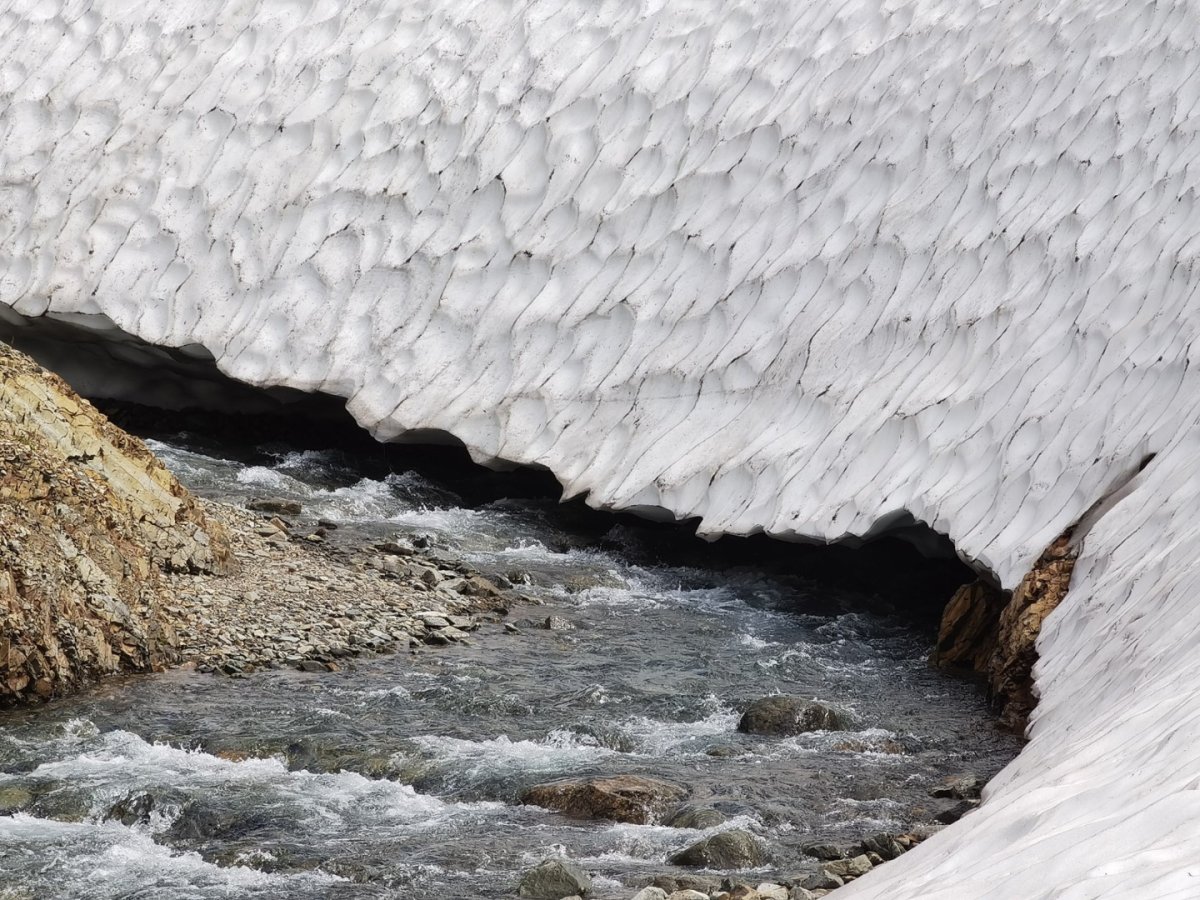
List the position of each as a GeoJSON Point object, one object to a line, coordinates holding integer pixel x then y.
{"type": "Point", "coordinates": [555, 879]}
{"type": "Point", "coordinates": [734, 849]}
{"type": "Point", "coordinates": [620, 798]}
{"type": "Point", "coordinates": [785, 715]}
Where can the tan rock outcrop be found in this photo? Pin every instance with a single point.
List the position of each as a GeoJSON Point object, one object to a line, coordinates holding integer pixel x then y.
{"type": "Point", "coordinates": [993, 633]}
{"type": "Point", "coordinates": [88, 520]}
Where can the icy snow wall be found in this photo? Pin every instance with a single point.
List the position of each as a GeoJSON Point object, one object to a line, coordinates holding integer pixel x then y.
{"type": "Point", "coordinates": [791, 265]}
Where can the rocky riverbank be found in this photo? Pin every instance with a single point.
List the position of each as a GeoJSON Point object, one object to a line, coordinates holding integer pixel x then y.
{"type": "Point", "coordinates": [108, 564]}
{"type": "Point", "coordinates": [305, 602]}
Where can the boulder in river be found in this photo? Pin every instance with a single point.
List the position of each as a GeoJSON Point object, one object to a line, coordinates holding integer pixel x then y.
{"type": "Point", "coordinates": [885, 845]}
{"type": "Point", "coordinates": [276, 505]}
{"type": "Point", "coordinates": [735, 849]}
{"type": "Point", "coordinates": [132, 809]}
{"type": "Point", "coordinates": [960, 787]}
{"type": "Point", "coordinates": [555, 879]}
{"type": "Point", "coordinates": [784, 715]}
{"type": "Point", "coordinates": [621, 798]}
{"type": "Point", "coordinates": [698, 817]}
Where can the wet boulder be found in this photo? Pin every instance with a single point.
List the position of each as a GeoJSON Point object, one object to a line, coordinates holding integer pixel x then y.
{"type": "Point", "coordinates": [884, 845]}
{"type": "Point", "coordinates": [132, 809]}
{"type": "Point", "coordinates": [620, 798]}
{"type": "Point", "coordinates": [960, 787]}
{"type": "Point", "coordinates": [276, 505]}
{"type": "Point", "coordinates": [784, 715]}
{"type": "Point", "coordinates": [698, 817]}
{"type": "Point", "coordinates": [734, 849]}
{"type": "Point", "coordinates": [555, 879]}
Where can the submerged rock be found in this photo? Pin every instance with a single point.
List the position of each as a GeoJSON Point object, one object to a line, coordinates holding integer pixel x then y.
{"type": "Point", "coordinates": [621, 798]}
{"type": "Point", "coordinates": [14, 799]}
{"type": "Point", "coordinates": [735, 849]}
{"type": "Point", "coordinates": [555, 879]}
{"type": "Point", "coordinates": [785, 715]}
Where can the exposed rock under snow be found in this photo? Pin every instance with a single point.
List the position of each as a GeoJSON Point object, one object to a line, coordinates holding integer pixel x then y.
{"type": "Point", "coordinates": [802, 267]}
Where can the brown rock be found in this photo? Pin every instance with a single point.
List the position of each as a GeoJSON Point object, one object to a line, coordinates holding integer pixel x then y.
{"type": "Point", "coordinates": [620, 798]}
{"type": "Point", "coordinates": [994, 634]}
{"type": "Point", "coordinates": [89, 521]}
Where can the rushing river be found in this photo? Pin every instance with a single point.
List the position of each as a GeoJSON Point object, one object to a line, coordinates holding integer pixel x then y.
{"type": "Point", "coordinates": [397, 776]}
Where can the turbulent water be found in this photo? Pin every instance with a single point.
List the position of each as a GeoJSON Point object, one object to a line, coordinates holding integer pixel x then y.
{"type": "Point", "coordinates": [397, 777]}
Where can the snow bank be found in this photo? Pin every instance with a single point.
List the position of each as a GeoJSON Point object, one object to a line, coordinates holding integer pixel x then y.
{"type": "Point", "coordinates": [793, 266]}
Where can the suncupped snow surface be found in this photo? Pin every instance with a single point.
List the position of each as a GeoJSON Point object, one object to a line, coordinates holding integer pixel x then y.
{"type": "Point", "coordinates": [796, 266]}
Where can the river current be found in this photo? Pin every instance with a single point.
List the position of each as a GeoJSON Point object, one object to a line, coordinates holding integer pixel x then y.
{"type": "Point", "coordinates": [398, 776]}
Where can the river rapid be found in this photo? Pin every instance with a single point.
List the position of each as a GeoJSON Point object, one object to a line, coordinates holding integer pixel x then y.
{"type": "Point", "coordinates": [398, 776]}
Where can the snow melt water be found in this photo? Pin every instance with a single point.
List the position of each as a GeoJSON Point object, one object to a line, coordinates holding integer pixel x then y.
{"type": "Point", "coordinates": [804, 267]}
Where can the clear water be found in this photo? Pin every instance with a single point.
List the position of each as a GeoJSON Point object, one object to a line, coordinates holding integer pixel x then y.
{"type": "Point", "coordinates": [397, 777]}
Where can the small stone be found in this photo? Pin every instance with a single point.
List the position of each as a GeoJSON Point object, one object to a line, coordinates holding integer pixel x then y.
{"type": "Point", "coordinates": [132, 809]}
{"type": "Point", "coordinates": [821, 881]}
{"type": "Point", "coordinates": [557, 623]}
{"type": "Point", "coordinates": [824, 851]}
{"type": "Point", "coordinates": [650, 893]}
{"type": "Point", "coordinates": [735, 849]}
{"type": "Point", "coordinates": [554, 879]}
{"type": "Point", "coordinates": [510, 628]}
{"type": "Point", "coordinates": [705, 884]}
{"type": "Point", "coordinates": [959, 787]}
{"type": "Point", "coordinates": [687, 895]}
{"type": "Point", "coordinates": [771, 891]}
{"type": "Point", "coordinates": [14, 799]}
{"type": "Point", "coordinates": [848, 868]}
{"type": "Point", "coordinates": [393, 549]}
{"type": "Point", "coordinates": [956, 812]}
{"type": "Point", "coordinates": [883, 845]}
{"type": "Point", "coordinates": [799, 893]}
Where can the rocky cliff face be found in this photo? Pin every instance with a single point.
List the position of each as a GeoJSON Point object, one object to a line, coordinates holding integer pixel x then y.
{"type": "Point", "coordinates": [89, 520]}
{"type": "Point", "coordinates": [994, 633]}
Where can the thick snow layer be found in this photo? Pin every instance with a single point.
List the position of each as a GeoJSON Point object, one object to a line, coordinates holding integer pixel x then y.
{"type": "Point", "coordinates": [790, 265]}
